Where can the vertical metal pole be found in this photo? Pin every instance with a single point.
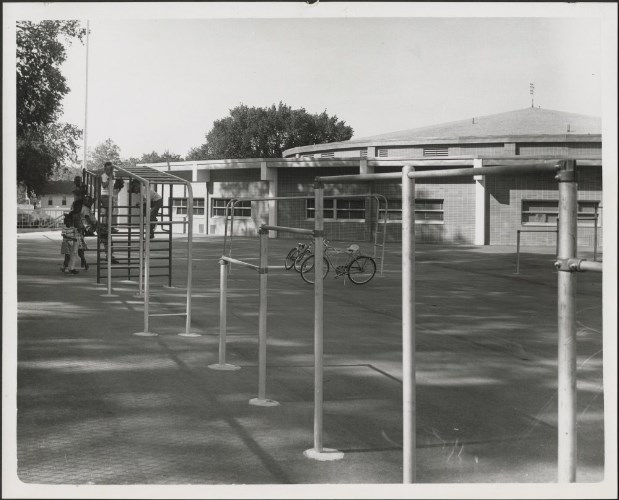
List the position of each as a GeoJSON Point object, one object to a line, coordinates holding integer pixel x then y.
{"type": "Point", "coordinates": [567, 323]}
{"type": "Point", "coordinates": [223, 316]}
{"type": "Point", "coordinates": [97, 186]}
{"type": "Point", "coordinates": [262, 317]}
{"type": "Point", "coordinates": [189, 258]}
{"type": "Point", "coordinates": [318, 313]}
{"type": "Point", "coordinates": [141, 240]}
{"type": "Point", "coordinates": [129, 235]}
{"type": "Point", "coordinates": [223, 313]}
{"type": "Point", "coordinates": [409, 410]}
{"type": "Point", "coordinates": [382, 254]}
{"type": "Point", "coordinates": [170, 227]}
{"type": "Point", "coordinates": [262, 323]}
{"type": "Point", "coordinates": [595, 235]}
{"type": "Point", "coordinates": [147, 258]}
{"type": "Point", "coordinates": [110, 206]}
{"type": "Point", "coordinates": [517, 251]}
{"type": "Point", "coordinates": [109, 234]}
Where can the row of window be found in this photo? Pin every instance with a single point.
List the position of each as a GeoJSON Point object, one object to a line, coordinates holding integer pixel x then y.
{"type": "Point", "coordinates": [341, 209]}
{"type": "Point", "coordinates": [383, 152]}
{"type": "Point", "coordinates": [534, 212]}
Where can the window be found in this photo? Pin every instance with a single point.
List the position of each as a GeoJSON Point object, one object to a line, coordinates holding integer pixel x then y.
{"type": "Point", "coordinates": [382, 153]}
{"type": "Point", "coordinates": [436, 151]}
{"type": "Point", "coordinates": [64, 200]}
{"type": "Point", "coordinates": [49, 201]}
{"type": "Point", "coordinates": [338, 209]}
{"type": "Point", "coordinates": [586, 213]}
{"type": "Point", "coordinates": [427, 211]}
{"type": "Point", "coordinates": [180, 206]}
{"type": "Point", "coordinates": [546, 212]}
{"type": "Point", "coordinates": [241, 208]}
{"type": "Point", "coordinates": [363, 153]}
{"type": "Point", "coordinates": [329, 154]}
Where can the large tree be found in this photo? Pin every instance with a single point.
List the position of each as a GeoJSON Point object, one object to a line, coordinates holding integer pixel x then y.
{"type": "Point", "coordinates": [43, 144]}
{"type": "Point", "coordinates": [267, 132]}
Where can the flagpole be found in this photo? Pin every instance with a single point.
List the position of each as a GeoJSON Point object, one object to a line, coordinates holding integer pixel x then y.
{"type": "Point", "coordinates": [86, 101]}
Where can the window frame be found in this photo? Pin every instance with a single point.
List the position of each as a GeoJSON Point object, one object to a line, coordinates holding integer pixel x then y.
{"type": "Point", "coordinates": [398, 210]}
{"type": "Point", "coordinates": [197, 209]}
{"type": "Point", "coordinates": [238, 211]}
{"type": "Point", "coordinates": [331, 205]}
{"type": "Point", "coordinates": [581, 222]}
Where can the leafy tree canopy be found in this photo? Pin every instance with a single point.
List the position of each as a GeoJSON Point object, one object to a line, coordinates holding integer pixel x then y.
{"type": "Point", "coordinates": [154, 157]}
{"type": "Point", "coordinates": [43, 144]}
{"type": "Point", "coordinates": [101, 153]}
{"type": "Point", "coordinates": [267, 132]}
{"type": "Point", "coordinates": [108, 150]}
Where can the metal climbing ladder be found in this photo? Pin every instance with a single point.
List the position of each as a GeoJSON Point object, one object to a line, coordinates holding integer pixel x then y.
{"type": "Point", "coordinates": [132, 254]}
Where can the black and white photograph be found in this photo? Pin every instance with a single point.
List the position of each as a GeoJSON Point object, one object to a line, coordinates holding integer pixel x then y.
{"type": "Point", "coordinates": [309, 250]}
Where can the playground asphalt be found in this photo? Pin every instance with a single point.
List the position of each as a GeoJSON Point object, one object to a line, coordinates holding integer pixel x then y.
{"type": "Point", "coordinates": [99, 406]}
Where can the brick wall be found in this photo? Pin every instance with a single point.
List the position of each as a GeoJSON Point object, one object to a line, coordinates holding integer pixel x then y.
{"type": "Point", "coordinates": [504, 206]}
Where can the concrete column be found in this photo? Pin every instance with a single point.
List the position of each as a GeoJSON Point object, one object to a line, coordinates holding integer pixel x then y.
{"type": "Point", "coordinates": [364, 168]}
{"type": "Point", "coordinates": [194, 172]}
{"type": "Point", "coordinates": [480, 205]}
{"type": "Point", "coordinates": [270, 174]}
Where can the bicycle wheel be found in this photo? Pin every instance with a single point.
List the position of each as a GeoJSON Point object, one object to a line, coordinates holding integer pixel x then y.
{"type": "Point", "coordinates": [290, 258]}
{"type": "Point", "coordinates": [307, 269]}
{"type": "Point", "coordinates": [300, 258]}
{"type": "Point", "coordinates": [361, 270]}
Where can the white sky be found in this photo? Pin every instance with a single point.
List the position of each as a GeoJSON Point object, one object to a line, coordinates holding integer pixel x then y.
{"type": "Point", "coordinates": [160, 83]}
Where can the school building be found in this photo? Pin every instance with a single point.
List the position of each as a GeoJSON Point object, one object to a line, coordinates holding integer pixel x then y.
{"type": "Point", "coordinates": [480, 210]}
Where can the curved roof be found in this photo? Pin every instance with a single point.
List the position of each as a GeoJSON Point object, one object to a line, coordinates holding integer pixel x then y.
{"type": "Point", "coordinates": [520, 123]}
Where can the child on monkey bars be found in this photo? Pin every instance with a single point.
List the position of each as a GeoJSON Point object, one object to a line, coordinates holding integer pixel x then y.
{"type": "Point", "coordinates": [156, 204]}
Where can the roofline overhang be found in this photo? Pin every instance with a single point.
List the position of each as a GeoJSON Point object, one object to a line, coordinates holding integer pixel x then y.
{"type": "Point", "coordinates": [393, 162]}
{"type": "Point", "coordinates": [418, 141]}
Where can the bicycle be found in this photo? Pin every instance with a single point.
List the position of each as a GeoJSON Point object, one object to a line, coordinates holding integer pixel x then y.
{"type": "Point", "coordinates": [358, 268]}
{"type": "Point", "coordinates": [297, 253]}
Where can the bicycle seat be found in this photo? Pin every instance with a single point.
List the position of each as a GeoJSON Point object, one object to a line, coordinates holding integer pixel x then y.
{"type": "Point", "coordinates": [353, 248]}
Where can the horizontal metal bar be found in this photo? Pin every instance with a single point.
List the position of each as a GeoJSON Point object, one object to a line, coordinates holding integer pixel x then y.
{"type": "Point", "coordinates": [587, 265]}
{"type": "Point", "coordinates": [309, 197]}
{"type": "Point", "coordinates": [284, 229]}
{"type": "Point", "coordinates": [536, 230]}
{"type": "Point", "coordinates": [551, 166]}
{"type": "Point", "coordinates": [239, 262]}
{"type": "Point", "coordinates": [359, 177]}
{"type": "Point", "coordinates": [168, 314]}
{"type": "Point", "coordinates": [504, 166]}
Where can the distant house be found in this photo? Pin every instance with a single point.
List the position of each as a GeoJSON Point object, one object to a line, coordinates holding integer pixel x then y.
{"type": "Point", "coordinates": [57, 194]}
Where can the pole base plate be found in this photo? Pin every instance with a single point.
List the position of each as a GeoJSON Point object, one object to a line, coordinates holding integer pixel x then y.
{"type": "Point", "coordinates": [190, 334]}
{"type": "Point", "coordinates": [224, 367]}
{"type": "Point", "coordinates": [146, 334]}
{"type": "Point", "coordinates": [109, 295]}
{"type": "Point", "coordinates": [263, 402]}
{"type": "Point", "coordinates": [326, 455]}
